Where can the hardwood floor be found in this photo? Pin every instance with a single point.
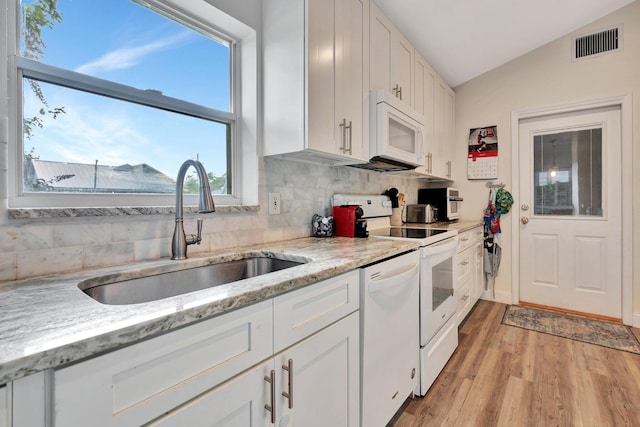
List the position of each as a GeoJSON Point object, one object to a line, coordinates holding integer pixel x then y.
{"type": "Point", "coordinates": [506, 376]}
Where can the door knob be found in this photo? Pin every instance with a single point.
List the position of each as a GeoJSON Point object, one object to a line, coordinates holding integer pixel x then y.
{"type": "Point", "coordinates": [524, 220]}
{"type": "Point", "coordinates": [524, 207]}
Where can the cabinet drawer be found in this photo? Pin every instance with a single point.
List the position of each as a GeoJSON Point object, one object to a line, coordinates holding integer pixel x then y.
{"type": "Point", "coordinates": [469, 238]}
{"type": "Point", "coordinates": [299, 314]}
{"type": "Point", "coordinates": [136, 384]}
{"type": "Point", "coordinates": [466, 266]}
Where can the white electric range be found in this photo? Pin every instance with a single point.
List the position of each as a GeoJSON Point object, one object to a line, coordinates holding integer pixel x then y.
{"type": "Point", "coordinates": [438, 329]}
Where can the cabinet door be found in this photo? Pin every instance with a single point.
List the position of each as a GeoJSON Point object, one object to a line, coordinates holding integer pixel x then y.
{"type": "Point", "coordinates": [323, 134]}
{"type": "Point", "coordinates": [449, 130]}
{"type": "Point", "coordinates": [444, 129]}
{"type": "Point", "coordinates": [391, 58]}
{"type": "Point", "coordinates": [351, 29]}
{"type": "Point", "coordinates": [325, 374]}
{"type": "Point", "coordinates": [239, 402]}
{"type": "Point", "coordinates": [380, 42]}
{"type": "Point", "coordinates": [402, 60]}
{"type": "Point", "coordinates": [424, 102]}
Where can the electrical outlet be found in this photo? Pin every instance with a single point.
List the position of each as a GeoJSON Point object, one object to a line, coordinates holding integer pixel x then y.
{"type": "Point", "coordinates": [274, 203]}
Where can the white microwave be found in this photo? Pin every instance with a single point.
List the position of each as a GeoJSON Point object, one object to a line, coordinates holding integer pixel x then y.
{"type": "Point", "coordinates": [397, 133]}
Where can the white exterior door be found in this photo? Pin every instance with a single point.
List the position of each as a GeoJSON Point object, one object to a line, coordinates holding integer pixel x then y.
{"type": "Point", "coordinates": [570, 212]}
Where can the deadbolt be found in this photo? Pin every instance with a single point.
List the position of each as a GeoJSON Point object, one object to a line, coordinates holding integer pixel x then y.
{"type": "Point", "coordinates": [524, 207]}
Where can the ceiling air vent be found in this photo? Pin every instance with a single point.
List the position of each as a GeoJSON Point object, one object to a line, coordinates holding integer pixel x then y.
{"type": "Point", "coordinates": [598, 43]}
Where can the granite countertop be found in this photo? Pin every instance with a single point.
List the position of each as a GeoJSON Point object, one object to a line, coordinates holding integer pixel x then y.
{"type": "Point", "coordinates": [48, 322]}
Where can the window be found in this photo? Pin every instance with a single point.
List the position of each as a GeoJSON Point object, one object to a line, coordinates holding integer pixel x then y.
{"type": "Point", "coordinates": [114, 96]}
{"type": "Point", "coordinates": [568, 173]}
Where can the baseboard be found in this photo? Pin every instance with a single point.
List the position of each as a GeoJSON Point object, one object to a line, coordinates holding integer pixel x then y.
{"type": "Point", "coordinates": [500, 296]}
{"type": "Point", "coordinates": [636, 320]}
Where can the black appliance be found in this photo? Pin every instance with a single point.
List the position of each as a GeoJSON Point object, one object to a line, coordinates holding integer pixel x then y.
{"type": "Point", "coordinates": [447, 200]}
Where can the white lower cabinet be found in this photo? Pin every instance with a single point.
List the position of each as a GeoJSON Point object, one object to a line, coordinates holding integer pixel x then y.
{"type": "Point", "coordinates": [319, 377]}
{"type": "Point", "coordinates": [470, 283]}
{"type": "Point", "coordinates": [323, 382]}
{"type": "Point", "coordinates": [215, 372]}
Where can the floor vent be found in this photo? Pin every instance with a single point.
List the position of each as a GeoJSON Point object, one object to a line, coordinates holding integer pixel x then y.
{"type": "Point", "coordinates": [599, 43]}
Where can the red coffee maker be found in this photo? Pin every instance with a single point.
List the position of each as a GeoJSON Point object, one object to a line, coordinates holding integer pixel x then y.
{"type": "Point", "coordinates": [348, 221]}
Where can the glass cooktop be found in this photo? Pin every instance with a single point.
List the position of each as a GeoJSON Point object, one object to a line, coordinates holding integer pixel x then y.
{"type": "Point", "coordinates": [406, 233]}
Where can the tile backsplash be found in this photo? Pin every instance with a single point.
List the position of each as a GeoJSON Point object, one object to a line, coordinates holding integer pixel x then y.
{"type": "Point", "coordinates": [36, 247]}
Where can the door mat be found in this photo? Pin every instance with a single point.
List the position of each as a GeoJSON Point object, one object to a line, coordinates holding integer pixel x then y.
{"type": "Point", "coordinates": [592, 331]}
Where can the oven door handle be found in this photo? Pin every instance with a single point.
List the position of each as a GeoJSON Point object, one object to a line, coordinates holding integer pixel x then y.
{"type": "Point", "coordinates": [438, 248]}
{"type": "Point", "coordinates": [395, 281]}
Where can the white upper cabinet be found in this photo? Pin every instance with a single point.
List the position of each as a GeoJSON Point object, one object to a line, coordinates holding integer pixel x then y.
{"type": "Point", "coordinates": [392, 58]}
{"type": "Point", "coordinates": [444, 122]}
{"type": "Point", "coordinates": [316, 80]}
{"type": "Point", "coordinates": [436, 101]}
{"type": "Point", "coordinates": [398, 68]}
{"type": "Point", "coordinates": [424, 96]}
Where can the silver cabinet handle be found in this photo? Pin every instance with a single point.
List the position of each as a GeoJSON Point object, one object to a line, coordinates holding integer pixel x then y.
{"type": "Point", "coordinates": [428, 163]}
{"type": "Point", "coordinates": [397, 90]}
{"type": "Point", "coordinates": [464, 298]}
{"type": "Point", "coordinates": [449, 169]}
{"type": "Point", "coordinates": [349, 128]}
{"type": "Point", "coordinates": [343, 142]}
{"type": "Point", "coordinates": [464, 263]}
{"type": "Point", "coordinates": [289, 394]}
{"type": "Point", "coordinates": [271, 407]}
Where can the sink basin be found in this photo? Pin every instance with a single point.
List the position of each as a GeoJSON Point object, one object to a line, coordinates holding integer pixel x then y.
{"type": "Point", "coordinates": [164, 285]}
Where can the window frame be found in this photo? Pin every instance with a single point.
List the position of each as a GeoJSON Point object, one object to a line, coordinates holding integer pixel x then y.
{"type": "Point", "coordinates": [211, 22]}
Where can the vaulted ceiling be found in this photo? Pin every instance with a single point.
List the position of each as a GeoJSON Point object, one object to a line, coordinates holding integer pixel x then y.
{"type": "Point", "coordinates": [463, 39]}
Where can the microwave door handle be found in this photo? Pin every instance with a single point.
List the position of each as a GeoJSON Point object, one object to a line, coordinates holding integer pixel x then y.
{"type": "Point", "coordinates": [420, 156]}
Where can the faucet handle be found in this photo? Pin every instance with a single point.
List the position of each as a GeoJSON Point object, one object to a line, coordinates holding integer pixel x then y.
{"type": "Point", "coordinates": [199, 236]}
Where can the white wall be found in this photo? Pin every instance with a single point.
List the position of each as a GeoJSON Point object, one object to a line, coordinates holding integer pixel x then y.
{"type": "Point", "coordinates": [542, 78]}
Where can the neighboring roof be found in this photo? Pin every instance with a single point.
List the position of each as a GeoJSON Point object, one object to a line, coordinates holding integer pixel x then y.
{"type": "Point", "coordinates": [125, 178]}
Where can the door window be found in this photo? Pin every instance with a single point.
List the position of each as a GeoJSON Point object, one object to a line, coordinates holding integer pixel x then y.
{"type": "Point", "coordinates": [568, 173]}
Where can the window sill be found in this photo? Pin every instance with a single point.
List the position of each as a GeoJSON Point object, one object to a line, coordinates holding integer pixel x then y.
{"type": "Point", "coordinates": [49, 213]}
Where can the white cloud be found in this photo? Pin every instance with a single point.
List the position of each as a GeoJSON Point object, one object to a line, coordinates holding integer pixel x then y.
{"type": "Point", "coordinates": [127, 57]}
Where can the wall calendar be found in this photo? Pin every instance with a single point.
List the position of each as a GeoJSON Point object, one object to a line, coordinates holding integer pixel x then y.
{"type": "Point", "coordinates": [482, 160]}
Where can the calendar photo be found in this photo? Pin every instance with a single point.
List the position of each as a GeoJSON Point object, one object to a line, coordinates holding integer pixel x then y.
{"type": "Point", "coordinates": [482, 159]}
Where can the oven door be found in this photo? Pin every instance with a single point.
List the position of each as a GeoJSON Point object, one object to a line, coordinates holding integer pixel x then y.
{"type": "Point", "coordinates": [438, 274]}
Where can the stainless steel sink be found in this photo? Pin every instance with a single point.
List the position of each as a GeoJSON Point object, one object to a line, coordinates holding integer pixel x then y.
{"type": "Point", "coordinates": [158, 286]}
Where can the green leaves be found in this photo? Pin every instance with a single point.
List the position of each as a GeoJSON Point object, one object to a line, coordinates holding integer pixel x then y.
{"type": "Point", "coordinates": [36, 16]}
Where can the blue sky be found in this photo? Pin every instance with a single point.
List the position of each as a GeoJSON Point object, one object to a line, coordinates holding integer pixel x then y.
{"type": "Point", "coordinates": [121, 41]}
